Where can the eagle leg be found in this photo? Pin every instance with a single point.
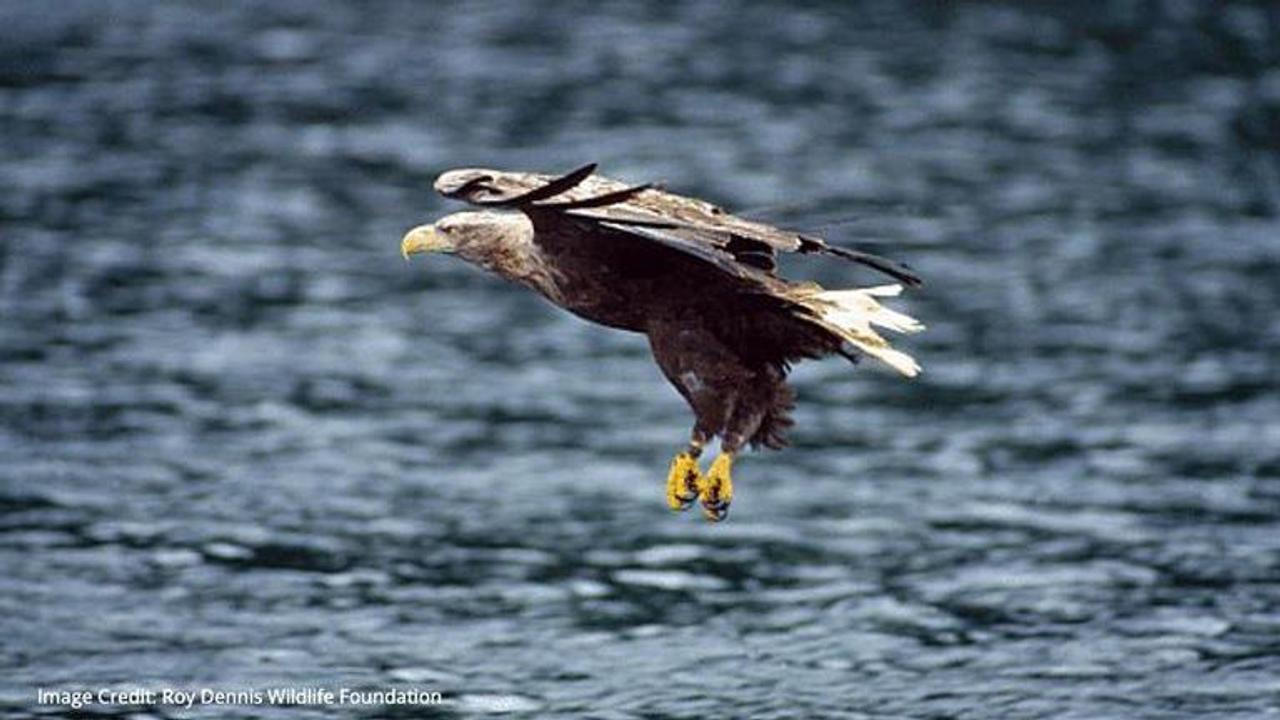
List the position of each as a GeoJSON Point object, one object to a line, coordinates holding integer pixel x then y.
{"type": "Point", "coordinates": [684, 477]}
{"type": "Point", "coordinates": [715, 489]}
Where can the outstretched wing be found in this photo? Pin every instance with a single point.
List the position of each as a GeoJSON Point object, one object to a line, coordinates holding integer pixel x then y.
{"type": "Point", "coordinates": [647, 207]}
{"type": "Point", "coordinates": [726, 260]}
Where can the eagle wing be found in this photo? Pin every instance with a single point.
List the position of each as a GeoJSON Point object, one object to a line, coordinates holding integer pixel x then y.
{"type": "Point", "coordinates": [683, 222]}
{"type": "Point", "coordinates": [736, 256]}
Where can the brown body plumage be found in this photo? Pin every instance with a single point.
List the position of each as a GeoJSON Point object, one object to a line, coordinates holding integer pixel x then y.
{"type": "Point", "coordinates": [698, 282]}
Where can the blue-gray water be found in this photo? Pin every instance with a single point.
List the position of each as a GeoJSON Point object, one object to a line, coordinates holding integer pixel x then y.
{"type": "Point", "coordinates": [243, 444]}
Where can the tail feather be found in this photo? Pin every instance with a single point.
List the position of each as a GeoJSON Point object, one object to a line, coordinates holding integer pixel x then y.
{"type": "Point", "coordinates": [851, 316]}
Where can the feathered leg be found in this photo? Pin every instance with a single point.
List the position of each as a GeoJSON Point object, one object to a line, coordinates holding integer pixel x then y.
{"type": "Point", "coordinates": [737, 400]}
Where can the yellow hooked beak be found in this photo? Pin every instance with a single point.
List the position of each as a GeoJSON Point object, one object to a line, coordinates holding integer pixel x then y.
{"type": "Point", "coordinates": [424, 239]}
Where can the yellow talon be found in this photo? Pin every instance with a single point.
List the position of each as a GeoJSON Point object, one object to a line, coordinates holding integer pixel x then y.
{"type": "Point", "coordinates": [683, 481]}
{"type": "Point", "coordinates": [715, 489]}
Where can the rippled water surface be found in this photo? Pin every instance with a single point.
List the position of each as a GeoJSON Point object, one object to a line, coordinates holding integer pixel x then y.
{"type": "Point", "coordinates": [243, 444]}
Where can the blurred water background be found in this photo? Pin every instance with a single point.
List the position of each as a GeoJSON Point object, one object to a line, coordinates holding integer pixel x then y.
{"type": "Point", "coordinates": [243, 444]}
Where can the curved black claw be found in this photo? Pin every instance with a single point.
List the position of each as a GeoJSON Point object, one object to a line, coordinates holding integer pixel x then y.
{"type": "Point", "coordinates": [685, 500]}
{"type": "Point", "coordinates": [715, 510]}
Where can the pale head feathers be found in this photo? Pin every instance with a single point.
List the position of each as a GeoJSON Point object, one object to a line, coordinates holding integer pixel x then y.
{"type": "Point", "coordinates": [499, 242]}
{"type": "Point", "coordinates": [477, 237]}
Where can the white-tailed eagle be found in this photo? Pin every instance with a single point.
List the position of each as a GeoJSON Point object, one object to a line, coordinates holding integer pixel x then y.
{"type": "Point", "coordinates": [700, 283]}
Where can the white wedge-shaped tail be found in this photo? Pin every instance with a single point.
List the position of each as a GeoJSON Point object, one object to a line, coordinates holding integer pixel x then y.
{"type": "Point", "coordinates": [851, 315]}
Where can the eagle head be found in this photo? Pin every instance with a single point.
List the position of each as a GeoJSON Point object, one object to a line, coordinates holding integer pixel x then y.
{"type": "Point", "coordinates": [475, 236]}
